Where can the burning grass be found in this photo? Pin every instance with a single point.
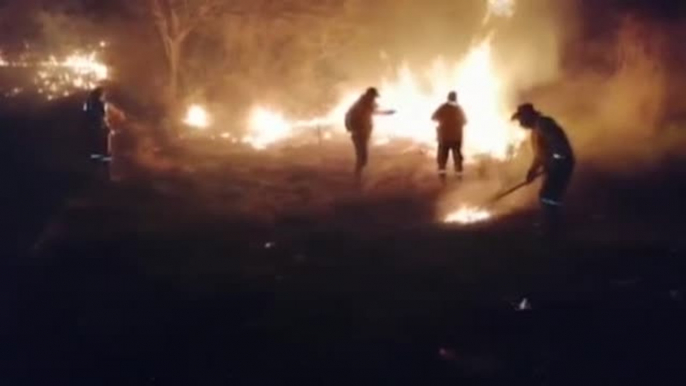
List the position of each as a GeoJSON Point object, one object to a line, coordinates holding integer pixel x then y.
{"type": "Point", "coordinates": [58, 76]}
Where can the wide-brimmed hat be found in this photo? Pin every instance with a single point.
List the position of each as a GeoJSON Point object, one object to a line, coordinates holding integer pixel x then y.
{"type": "Point", "coordinates": [525, 109]}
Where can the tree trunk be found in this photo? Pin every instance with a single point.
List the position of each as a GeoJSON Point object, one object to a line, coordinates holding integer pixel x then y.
{"type": "Point", "coordinates": [174, 59]}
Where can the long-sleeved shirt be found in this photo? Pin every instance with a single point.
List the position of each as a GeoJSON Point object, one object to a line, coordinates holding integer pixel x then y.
{"type": "Point", "coordinates": [359, 120]}
{"type": "Point", "coordinates": [550, 143]}
{"type": "Point", "coordinates": [451, 120]}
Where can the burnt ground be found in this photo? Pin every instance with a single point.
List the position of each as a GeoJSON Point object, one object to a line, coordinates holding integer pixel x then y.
{"type": "Point", "coordinates": [264, 269]}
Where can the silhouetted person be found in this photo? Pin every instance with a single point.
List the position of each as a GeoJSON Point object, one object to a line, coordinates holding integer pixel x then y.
{"type": "Point", "coordinates": [359, 122]}
{"type": "Point", "coordinates": [95, 109]}
{"type": "Point", "coordinates": [553, 157]}
{"type": "Point", "coordinates": [451, 121]}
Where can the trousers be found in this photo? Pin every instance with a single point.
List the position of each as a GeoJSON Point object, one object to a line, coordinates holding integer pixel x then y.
{"type": "Point", "coordinates": [558, 174]}
{"type": "Point", "coordinates": [444, 150]}
{"type": "Point", "coordinates": [361, 145]}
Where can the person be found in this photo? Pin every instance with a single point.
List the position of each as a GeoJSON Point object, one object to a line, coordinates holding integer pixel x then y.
{"type": "Point", "coordinates": [121, 143]}
{"type": "Point", "coordinates": [360, 124]}
{"type": "Point", "coordinates": [451, 121]}
{"type": "Point", "coordinates": [95, 109]}
{"type": "Point", "coordinates": [553, 158]}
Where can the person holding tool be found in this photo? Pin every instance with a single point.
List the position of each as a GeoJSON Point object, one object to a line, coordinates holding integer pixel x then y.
{"type": "Point", "coordinates": [553, 159]}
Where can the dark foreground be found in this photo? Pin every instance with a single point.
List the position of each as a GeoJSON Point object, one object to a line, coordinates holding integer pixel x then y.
{"type": "Point", "coordinates": [180, 281]}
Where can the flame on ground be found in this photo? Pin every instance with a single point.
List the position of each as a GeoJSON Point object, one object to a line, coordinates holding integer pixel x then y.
{"type": "Point", "coordinates": [276, 128]}
{"type": "Point", "coordinates": [197, 117]}
{"type": "Point", "coordinates": [468, 215]}
{"type": "Point", "coordinates": [482, 95]}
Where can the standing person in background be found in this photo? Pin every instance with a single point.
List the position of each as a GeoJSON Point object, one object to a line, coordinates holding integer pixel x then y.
{"type": "Point", "coordinates": [105, 124]}
{"type": "Point", "coordinates": [360, 123]}
{"type": "Point", "coordinates": [95, 109]}
{"type": "Point", "coordinates": [451, 121]}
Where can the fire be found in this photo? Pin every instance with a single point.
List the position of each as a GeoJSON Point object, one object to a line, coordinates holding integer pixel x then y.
{"type": "Point", "coordinates": [501, 8]}
{"type": "Point", "coordinates": [468, 215]}
{"type": "Point", "coordinates": [268, 128]}
{"type": "Point", "coordinates": [62, 76]}
{"type": "Point", "coordinates": [481, 94]}
{"type": "Point", "coordinates": [197, 117]}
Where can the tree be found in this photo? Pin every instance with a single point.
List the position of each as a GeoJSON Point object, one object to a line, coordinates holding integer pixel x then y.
{"type": "Point", "coordinates": [175, 20]}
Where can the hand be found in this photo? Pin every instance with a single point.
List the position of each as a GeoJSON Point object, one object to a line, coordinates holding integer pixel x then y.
{"type": "Point", "coordinates": [531, 176]}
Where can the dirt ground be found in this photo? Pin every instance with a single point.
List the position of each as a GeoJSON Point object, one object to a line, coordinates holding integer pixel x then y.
{"type": "Point", "coordinates": [244, 268]}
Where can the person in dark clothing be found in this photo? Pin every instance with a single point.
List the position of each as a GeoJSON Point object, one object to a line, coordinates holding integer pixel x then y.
{"type": "Point", "coordinates": [359, 122]}
{"type": "Point", "coordinates": [553, 158]}
{"type": "Point", "coordinates": [451, 121]}
{"type": "Point", "coordinates": [95, 109]}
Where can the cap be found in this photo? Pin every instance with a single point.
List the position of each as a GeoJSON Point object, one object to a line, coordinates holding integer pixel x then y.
{"type": "Point", "coordinates": [372, 91]}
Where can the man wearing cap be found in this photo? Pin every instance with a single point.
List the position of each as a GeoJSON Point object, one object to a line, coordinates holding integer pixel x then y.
{"type": "Point", "coordinates": [451, 120]}
{"type": "Point", "coordinates": [553, 157]}
{"type": "Point", "coordinates": [359, 122]}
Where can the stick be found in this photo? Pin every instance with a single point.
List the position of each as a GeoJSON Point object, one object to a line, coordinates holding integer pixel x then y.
{"type": "Point", "coordinates": [511, 190]}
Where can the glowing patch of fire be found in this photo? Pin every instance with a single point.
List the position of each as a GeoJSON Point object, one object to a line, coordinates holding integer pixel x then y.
{"type": "Point", "coordinates": [468, 215]}
{"type": "Point", "coordinates": [61, 77]}
{"type": "Point", "coordinates": [481, 94]}
{"type": "Point", "coordinates": [197, 117]}
{"type": "Point", "coordinates": [268, 128]}
{"type": "Point", "coordinates": [501, 8]}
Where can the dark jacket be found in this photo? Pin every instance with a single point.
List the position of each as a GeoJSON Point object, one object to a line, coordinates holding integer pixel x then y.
{"type": "Point", "coordinates": [359, 118]}
{"type": "Point", "coordinates": [451, 121]}
{"type": "Point", "coordinates": [94, 107]}
{"type": "Point", "coordinates": [550, 143]}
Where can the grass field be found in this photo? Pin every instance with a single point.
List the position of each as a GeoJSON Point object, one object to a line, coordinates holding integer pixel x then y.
{"type": "Point", "coordinates": [241, 268]}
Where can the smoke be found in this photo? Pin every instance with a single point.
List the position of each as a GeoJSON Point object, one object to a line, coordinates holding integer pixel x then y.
{"type": "Point", "coordinates": [612, 93]}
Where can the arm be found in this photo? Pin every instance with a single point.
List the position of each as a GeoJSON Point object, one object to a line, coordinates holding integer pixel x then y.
{"type": "Point", "coordinates": [436, 115]}
{"type": "Point", "coordinates": [537, 162]}
{"type": "Point", "coordinates": [349, 124]}
{"type": "Point", "coordinates": [384, 112]}
{"type": "Point", "coordinates": [377, 111]}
